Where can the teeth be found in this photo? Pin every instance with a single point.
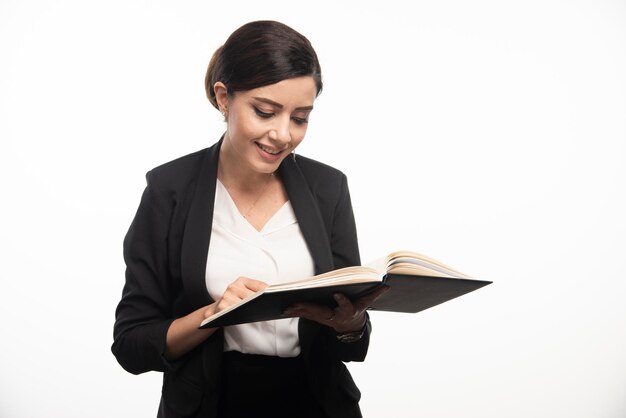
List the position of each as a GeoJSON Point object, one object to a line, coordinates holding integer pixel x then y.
{"type": "Point", "coordinates": [268, 150]}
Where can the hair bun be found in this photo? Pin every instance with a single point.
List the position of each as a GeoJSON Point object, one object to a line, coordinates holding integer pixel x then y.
{"type": "Point", "coordinates": [210, 79]}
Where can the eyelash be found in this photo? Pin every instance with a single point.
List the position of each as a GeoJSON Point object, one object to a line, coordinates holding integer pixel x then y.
{"type": "Point", "coordinates": [265, 115]}
{"type": "Point", "coordinates": [262, 114]}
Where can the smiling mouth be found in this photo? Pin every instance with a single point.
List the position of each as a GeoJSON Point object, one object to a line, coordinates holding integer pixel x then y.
{"type": "Point", "coordinates": [270, 151]}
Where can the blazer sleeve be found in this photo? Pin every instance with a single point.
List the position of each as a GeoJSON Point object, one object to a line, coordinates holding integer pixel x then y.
{"type": "Point", "coordinates": [345, 250]}
{"type": "Point", "coordinates": [144, 313]}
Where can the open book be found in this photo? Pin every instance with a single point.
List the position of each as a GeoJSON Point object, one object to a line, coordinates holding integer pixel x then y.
{"type": "Point", "coordinates": [416, 282]}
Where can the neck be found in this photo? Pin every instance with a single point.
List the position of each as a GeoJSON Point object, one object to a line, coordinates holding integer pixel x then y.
{"type": "Point", "coordinates": [236, 173]}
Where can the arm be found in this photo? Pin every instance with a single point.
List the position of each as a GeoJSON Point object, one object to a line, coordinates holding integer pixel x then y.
{"type": "Point", "coordinates": [145, 312]}
{"type": "Point", "coordinates": [147, 333]}
{"type": "Point", "coordinates": [184, 335]}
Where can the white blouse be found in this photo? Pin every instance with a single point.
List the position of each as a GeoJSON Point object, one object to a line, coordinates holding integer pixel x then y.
{"type": "Point", "coordinates": [276, 254]}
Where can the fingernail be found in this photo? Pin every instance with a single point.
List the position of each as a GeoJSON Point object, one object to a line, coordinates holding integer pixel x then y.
{"type": "Point", "coordinates": [337, 297]}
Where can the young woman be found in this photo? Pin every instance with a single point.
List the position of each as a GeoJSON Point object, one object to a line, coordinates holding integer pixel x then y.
{"type": "Point", "coordinates": [219, 224]}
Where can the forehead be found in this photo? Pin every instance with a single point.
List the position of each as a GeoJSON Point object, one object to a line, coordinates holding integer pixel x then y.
{"type": "Point", "coordinates": [292, 92]}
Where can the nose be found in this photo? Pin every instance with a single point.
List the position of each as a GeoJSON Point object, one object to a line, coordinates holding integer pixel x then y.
{"type": "Point", "coordinates": [280, 131]}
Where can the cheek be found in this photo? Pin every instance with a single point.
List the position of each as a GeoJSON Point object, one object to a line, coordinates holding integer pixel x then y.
{"type": "Point", "coordinates": [245, 128]}
{"type": "Point", "coordinates": [297, 135]}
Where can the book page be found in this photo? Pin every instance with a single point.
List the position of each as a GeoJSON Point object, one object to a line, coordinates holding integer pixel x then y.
{"type": "Point", "coordinates": [403, 262]}
{"type": "Point", "coordinates": [347, 275]}
{"type": "Point", "coordinates": [379, 265]}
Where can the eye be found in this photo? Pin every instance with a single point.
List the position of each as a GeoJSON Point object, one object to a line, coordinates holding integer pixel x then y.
{"type": "Point", "coordinates": [299, 121]}
{"type": "Point", "coordinates": [262, 114]}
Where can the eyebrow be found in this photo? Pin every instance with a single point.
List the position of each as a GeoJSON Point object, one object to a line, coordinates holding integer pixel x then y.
{"type": "Point", "coordinates": [278, 105]}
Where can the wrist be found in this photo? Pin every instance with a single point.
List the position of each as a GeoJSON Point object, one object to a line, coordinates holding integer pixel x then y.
{"type": "Point", "coordinates": [356, 326]}
{"type": "Point", "coordinates": [209, 310]}
{"type": "Point", "coordinates": [351, 336]}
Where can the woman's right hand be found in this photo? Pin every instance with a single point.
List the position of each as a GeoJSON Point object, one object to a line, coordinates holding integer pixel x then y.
{"type": "Point", "coordinates": [183, 334]}
{"type": "Point", "coordinates": [236, 291]}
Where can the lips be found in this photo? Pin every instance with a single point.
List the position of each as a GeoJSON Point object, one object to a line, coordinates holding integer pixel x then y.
{"type": "Point", "coordinates": [269, 150]}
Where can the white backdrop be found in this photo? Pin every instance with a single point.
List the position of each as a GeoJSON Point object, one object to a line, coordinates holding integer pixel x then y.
{"type": "Point", "coordinates": [488, 134]}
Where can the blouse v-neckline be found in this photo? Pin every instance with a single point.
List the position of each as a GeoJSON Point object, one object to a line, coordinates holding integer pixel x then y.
{"type": "Point", "coordinates": [226, 211]}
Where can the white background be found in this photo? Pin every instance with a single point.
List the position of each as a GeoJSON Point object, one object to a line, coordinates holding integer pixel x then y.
{"type": "Point", "coordinates": [488, 134]}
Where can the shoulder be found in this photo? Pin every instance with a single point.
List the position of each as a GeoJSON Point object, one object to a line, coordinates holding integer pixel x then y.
{"type": "Point", "coordinates": [318, 173]}
{"type": "Point", "coordinates": [178, 168]}
{"type": "Point", "coordinates": [178, 173]}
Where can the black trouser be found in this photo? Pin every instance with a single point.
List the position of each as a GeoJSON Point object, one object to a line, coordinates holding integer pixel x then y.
{"type": "Point", "coordinates": [265, 386]}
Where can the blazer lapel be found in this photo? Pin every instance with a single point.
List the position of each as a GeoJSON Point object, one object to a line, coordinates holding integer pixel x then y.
{"type": "Point", "coordinates": [312, 226]}
{"type": "Point", "coordinates": [307, 212]}
{"type": "Point", "coordinates": [197, 235]}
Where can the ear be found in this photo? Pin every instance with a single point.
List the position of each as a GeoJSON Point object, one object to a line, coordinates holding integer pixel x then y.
{"type": "Point", "coordinates": [221, 96]}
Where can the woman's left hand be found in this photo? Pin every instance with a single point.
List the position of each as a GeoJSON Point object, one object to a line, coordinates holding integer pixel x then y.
{"type": "Point", "coordinates": [347, 316]}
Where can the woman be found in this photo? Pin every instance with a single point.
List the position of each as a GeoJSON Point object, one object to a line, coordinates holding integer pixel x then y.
{"type": "Point", "coordinates": [217, 225]}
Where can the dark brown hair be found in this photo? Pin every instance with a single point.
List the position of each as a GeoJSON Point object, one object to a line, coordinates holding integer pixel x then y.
{"type": "Point", "coordinates": [259, 54]}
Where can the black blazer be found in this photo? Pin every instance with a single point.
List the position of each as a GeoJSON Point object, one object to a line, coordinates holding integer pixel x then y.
{"type": "Point", "coordinates": [165, 251]}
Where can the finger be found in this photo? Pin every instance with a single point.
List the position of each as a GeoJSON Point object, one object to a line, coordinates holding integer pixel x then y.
{"type": "Point", "coordinates": [312, 309]}
{"type": "Point", "coordinates": [345, 310]}
{"type": "Point", "coordinates": [339, 320]}
{"type": "Point", "coordinates": [314, 312]}
{"type": "Point", "coordinates": [345, 316]}
{"type": "Point", "coordinates": [366, 301]}
{"type": "Point", "coordinates": [238, 291]}
{"type": "Point", "coordinates": [343, 302]}
{"type": "Point", "coordinates": [245, 286]}
{"type": "Point", "coordinates": [251, 284]}
{"type": "Point", "coordinates": [234, 293]}
{"type": "Point", "coordinates": [344, 313]}
{"type": "Point", "coordinates": [226, 300]}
